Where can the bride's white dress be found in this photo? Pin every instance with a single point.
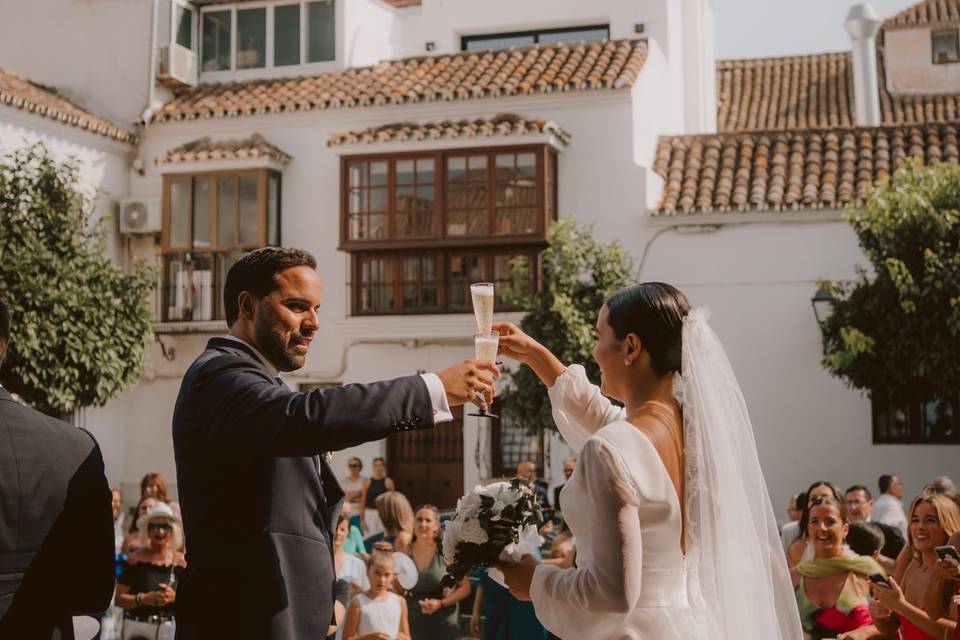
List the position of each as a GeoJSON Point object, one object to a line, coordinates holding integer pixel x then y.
{"type": "Point", "coordinates": [631, 579]}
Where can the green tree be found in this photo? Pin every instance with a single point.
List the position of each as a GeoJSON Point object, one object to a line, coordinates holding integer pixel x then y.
{"type": "Point", "coordinates": [79, 323]}
{"type": "Point", "coordinates": [578, 275]}
{"type": "Point", "coordinates": [896, 330]}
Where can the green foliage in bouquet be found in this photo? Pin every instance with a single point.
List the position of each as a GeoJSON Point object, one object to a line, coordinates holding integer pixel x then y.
{"type": "Point", "coordinates": [896, 330]}
{"type": "Point", "coordinates": [79, 323]}
{"type": "Point", "coordinates": [578, 275]}
{"type": "Point", "coordinates": [503, 527]}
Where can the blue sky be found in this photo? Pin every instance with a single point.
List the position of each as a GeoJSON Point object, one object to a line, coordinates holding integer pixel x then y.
{"type": "Point", "coordinates": [760, 28]}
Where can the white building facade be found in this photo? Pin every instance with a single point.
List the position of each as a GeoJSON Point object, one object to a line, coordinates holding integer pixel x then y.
{"type": "Point", "coordinates": [414, 147]}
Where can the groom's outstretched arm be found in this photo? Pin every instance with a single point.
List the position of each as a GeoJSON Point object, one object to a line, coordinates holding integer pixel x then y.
{"type": "Point", "coordinates": [241, 410]}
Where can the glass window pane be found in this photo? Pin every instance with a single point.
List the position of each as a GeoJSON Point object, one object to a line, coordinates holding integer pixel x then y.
{"type": "Point", "coordinates": [378, 173]}
{"type": "Point", "coordinates": [321, 21]}
{"type": "Point", "coordinates": [377, 226]}
{"type": "Point", "coordinates": [497, 42]}
{"type": "Point", "coordinates": [163, 22]}
{"type": "Point", "coordinates": [946, 46]}
{"type": "Point", "coordinates": [405, 172]}
{"type": "Point", "coordinates": [273, 209]}
{"type": "Point", "coordinates": [184, 22]}
{"type": "Point", "coordinates": [456, 168]}
{"type": "Point", "coordinates": [378, 199]}
{"type": "Point", "coordinates": [216, 41]}
{"type": "Point", "coordinates": [201, 212]}
{"type": "Point", "coordinates": [505, 161]}
{"type": "Point", "coordinates": [251, 38]}
{"type": "Point", "coordinates": [249, 212]}
{"type": "Point", "coordinates": [180, 213]}
{"type": "Point", "coordinates": [574, 35]}
{"type": "Point", "coordinates": [527, 164]}
{"type": "Point", "coordinates": [358, 174]}
{"type": "Point", "coordinates": [226, 212]}
{"type": "Point", "coordinates": [463, 271]}
{"type": "Point", "coordinates": [286, 35]}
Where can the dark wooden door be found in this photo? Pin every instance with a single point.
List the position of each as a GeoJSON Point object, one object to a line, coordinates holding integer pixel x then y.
{"type": "Point", "coordinates": [427, 465]}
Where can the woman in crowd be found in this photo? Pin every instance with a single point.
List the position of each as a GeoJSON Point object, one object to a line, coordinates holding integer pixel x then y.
{"type": "Point", "coordinates": [146, 587]}
{"type": "Point", "coordinates": [396, 515]}
{"type": "Point", "coordinates": [833, 590]}
{"type": "Point", "coordinates": [933, 519]}
{"type": "Point", "coordinates": [378, 613]}
{"type": "Point", "coordinates": [373, 487]}
{"type": "Point", "coordinates": [155, 486]}
{"type": "Point", "coordinates": [802, 547]}
{"type": "Point", "coordinates": [349, 567]}
{"type": "Point", "coordinates": [433, 613]}
{"type": "Point", "coordinates": [354, 542]}
{"type": "Point", "coordinates": [132, 538]}
{"type": "Point", "coordinates": [353, 483]}
{"type": "Point", "coordinates": [944, 585]}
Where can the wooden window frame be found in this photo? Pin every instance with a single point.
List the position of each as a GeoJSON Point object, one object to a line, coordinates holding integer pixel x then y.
{"type": "Point", "coordinates": [443, 281]}
{"type": "Point", "coordinates": [215, 250]}
{"type": "Point", "coordinates": [545, 158]}
{"type": "Point", "coordinates": [915, 423]}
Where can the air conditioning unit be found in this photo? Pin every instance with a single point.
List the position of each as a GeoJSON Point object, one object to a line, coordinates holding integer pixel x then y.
{"type": "Point", "coordinates": [177, 65]}
{"type": "Point", "coordinates": [140, 215]}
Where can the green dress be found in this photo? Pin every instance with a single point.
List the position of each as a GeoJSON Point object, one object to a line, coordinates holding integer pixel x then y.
{"type": "Point", "coordinates": [441, 625]}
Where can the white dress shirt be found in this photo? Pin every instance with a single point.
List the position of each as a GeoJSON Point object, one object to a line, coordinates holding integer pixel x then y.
{"type": "Point", "coordinates": [888, 510]}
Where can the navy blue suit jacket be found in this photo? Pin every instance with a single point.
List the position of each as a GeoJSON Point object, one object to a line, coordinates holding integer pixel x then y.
{"type": "Point", "coordinates": [259, 505]}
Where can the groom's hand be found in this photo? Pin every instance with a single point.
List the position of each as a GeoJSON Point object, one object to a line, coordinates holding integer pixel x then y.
{"type": "Point", "coordinates": [463, 382]}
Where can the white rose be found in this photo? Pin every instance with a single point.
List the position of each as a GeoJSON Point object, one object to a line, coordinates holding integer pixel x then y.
{"type": "Point", "coordinates": [472, 531]}
{"type": "Point", "coordinates": [451, 538]}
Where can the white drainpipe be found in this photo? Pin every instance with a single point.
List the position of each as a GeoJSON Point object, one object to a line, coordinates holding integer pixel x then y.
{"type": "Point", "coordinates": [862, 24]}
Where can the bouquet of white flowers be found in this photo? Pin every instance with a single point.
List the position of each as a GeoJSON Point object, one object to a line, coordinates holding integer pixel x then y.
{"type": "Point", "coordinates": [496, 522]}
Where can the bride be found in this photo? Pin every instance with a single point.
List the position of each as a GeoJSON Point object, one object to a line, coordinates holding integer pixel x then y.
{"type": "Point", "coordinates": [676, 537]}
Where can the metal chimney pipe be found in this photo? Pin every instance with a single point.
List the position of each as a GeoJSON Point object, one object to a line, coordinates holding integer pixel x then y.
{"type": "Point", "coordinates": [862, 24]}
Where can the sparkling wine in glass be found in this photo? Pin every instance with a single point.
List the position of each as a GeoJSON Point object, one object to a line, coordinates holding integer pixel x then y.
{"type": "Point", "coordinates": [482, 295]}
{"type": "Point", "coordinates": [485, 349]}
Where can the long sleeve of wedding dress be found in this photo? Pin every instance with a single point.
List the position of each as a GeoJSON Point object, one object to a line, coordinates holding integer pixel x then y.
{"type": "Point", "coordinates": [579, 409]}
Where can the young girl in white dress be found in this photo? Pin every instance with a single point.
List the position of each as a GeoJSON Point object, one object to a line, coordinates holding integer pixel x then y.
{"type": "Point", "coordinates": [378, 613]}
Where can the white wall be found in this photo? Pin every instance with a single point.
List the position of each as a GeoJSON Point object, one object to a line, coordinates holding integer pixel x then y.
{"type": "Point", "coordinates": [910, 68]}
{"type": "Point", "coordinates": [372, 31]}
{"type": "Point", "coordinates": [757, 281]}
{"type": "Point", "coordinates": [95, 52]}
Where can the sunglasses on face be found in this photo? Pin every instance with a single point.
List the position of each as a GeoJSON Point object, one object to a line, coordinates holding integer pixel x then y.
{"type": "Point", "coordinates": [354, 466]}
{"type": "Point", "coordinates": [159, 526]}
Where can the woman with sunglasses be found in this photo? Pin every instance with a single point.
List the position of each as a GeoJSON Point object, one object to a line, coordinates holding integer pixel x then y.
{"type": "Point", "coordinates": [146, 587]}
{"type": "Point", "coordinates": [353, 485]}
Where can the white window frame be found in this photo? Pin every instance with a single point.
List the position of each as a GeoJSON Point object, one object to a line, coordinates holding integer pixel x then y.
{"type": "Point", "coordinates": [194, 25]}
{"type": "Point", "coordinates": [269, 69]}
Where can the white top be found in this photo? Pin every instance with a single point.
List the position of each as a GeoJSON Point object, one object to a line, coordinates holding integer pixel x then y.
{"type": "Point", "coordinates": [789, 532]}
{"type": "Point", "coordinates": [350, 484]}
{"type": "Point", "coordinates": [630, 580]}
{"type": "Point", "coordinates": [888, 510]}
{"type": "Point", "coordinates": [379, 616]}
{"type": "Point", "coordinates": [354, 570]}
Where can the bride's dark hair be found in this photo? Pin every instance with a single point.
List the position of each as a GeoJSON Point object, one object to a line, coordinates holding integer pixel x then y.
{"type": "Point", "coordinates": [655, 312]}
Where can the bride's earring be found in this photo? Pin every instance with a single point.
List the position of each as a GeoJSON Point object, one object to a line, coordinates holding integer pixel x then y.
{"type": "Point", "coordinates": [627, 363]}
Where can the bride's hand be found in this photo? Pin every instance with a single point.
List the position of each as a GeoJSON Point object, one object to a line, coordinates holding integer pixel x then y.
{"type": "Point", "coordinates": [514, 343]}
{"type": "Point", "coordinates": [519, 576]}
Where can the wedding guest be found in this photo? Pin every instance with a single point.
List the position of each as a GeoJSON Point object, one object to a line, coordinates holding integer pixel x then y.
{"type": "Point", "coordinates": [866, 539]}
{"type": "Point", "coordinates": [527, 469]}
{"type": "Point", "coordinates": [933, 519]}
{"type": "Point", "coordinates": [56, 533]}
{"type": "Point", "coordinates": [943, 485]}
{"type": "Point", "coordinates": [119, 518]}
{"type": "Point", "coordinates": [832, 588]}
{"type": "Point", "coordinates": [350, 569]}
{"type": "Point", "coordinates": [133, 534]}
{"type": "Point", "coordinates": [352, 484]}
{"type": "Point", "coordinates": [354, 542]}
{"type": "Point", "coordinates": [396, 514]}
{"type": "Point", "coordinates": [888, 508]}
{"type": "Point", "coordinates": [504, 617]}
{"type": "Point", "coordinates": [569, 465]}
{"type": "Point", "coordinates": [944, 584]}
{"type": "Point", "coordinates": [860, 506]}
{"type": "Point", "coordinates": [146, 588]}
{"type": "Point", "coordinates": [154, 485]}
{"type": "Point", "coordinates": [373, 487]}
{"type": "Point", "coordinates": [432, 610]}
{"type": "Point", "coordinates": [791, 530]}
{"type": "Point", "coordinates": [378, 613]}
{"type": "Point", "coordinates": [803, 548]}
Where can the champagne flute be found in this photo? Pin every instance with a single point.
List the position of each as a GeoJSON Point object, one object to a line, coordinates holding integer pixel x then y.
{"type": "Point", "coordinates": [482, 296]}
{"type": "Point", "coordinates": [485, 349]}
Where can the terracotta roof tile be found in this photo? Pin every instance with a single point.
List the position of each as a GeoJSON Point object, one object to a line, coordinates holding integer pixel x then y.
{"type": "Point", "coordinates": [928, 12]}
{"type": "Point", "coordinates": [500, 125]}
{"type": "Point", "coordinates": [18, 92]}
{"type": "Point", "coordinates": [205, 149]}
{"type": "Point", "coordinates": [786, 170]}
{"type": "Point", "coordinates": [811, 92]}
{"type": "Point", "coordinates": [460, 76]}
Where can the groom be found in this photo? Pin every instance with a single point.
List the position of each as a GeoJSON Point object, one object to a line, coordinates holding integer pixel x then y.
{"type": "Point", "coordinates": [259, 503]}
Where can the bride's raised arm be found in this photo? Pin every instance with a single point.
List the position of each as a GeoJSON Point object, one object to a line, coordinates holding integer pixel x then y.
{"type": "Point", "coordinates": [579, 409]}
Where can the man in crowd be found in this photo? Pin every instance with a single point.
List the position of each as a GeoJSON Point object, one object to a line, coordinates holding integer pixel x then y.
{"type": "Point", "coordinates": [860, 505]}
{"type": "Point", "coordinates": [527, 469]}
{"type": "Point", "coordinates": [259, 561]}
{"type": "Point", "coordinates": [568, 466]}
{"type": "Point", "coordinates": [888, 509]}
{"type": "Point", "coordinates": [56, 528]}
{"type": "Point", "coordinates": [944, 486]}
